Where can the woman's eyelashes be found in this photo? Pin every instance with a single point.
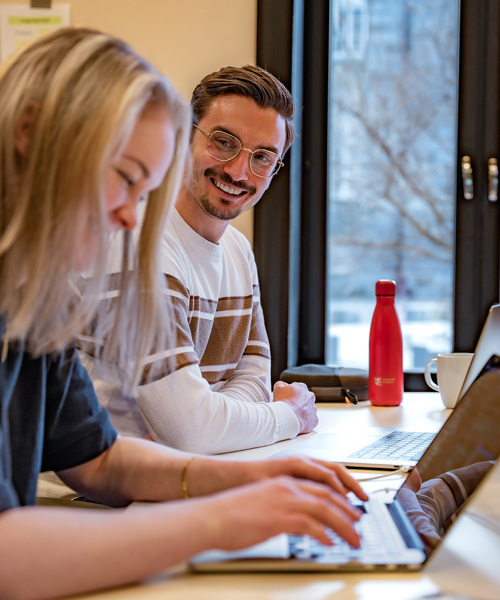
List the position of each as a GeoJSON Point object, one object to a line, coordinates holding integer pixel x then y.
{"type": "Point", "coordinates": [126, 178]}
{"type": "Point", "coordinates": [131, 183]}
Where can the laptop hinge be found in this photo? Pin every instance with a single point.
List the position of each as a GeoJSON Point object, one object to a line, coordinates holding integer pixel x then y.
{"type": "Point", "coordinates": [408, 533]}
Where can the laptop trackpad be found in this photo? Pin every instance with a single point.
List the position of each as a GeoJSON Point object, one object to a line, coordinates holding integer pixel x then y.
{"type": "Point", "coordinates": [334, 446]}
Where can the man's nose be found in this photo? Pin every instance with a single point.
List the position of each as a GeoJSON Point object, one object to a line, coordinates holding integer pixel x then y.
{"type": "Point", "coordinates": [239, 166]}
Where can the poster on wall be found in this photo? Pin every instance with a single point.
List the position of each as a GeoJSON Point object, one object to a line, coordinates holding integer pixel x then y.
{"type": "Point", "coordinates": [20, 25]}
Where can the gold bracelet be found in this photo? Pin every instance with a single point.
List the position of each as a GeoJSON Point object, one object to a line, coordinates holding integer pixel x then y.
{"type": "Point", "coordinates": [184, 485]}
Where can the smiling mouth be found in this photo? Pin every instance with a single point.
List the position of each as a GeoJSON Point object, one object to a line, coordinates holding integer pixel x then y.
{"type": "Point", "coordinates": [232, 191]}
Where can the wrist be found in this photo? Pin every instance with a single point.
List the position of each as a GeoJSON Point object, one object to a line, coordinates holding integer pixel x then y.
{"type": "Point", "coordinates": [184, 483]}
{"type": "Point", "coordinates": [210, 475]}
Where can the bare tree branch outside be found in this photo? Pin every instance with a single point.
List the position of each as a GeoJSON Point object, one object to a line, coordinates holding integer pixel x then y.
{"type": "Point", "coordinates": [392, 155]}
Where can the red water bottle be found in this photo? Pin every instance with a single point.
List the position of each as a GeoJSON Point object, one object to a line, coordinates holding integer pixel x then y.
{"type": "Point", "coordinates": [385, 371]}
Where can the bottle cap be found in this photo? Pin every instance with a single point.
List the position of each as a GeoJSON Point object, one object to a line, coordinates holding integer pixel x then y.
{"type": "Point", "coordinates": [385, 287]}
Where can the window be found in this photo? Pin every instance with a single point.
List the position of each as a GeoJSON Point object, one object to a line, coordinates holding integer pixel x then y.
{"type": "Point", "coordinates": [452, 269]}
{"type": "Point", "coordinates": [391, 173]}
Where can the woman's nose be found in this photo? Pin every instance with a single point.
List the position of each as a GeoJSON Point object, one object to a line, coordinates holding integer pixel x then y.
{"type": "Point", "coordinates": [126, 215]}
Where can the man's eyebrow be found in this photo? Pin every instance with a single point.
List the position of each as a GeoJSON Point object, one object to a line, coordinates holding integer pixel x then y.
{"type": "Point", "coordinates": [142, 166]}
{"type": "Point", "coordinates": [226, 130]}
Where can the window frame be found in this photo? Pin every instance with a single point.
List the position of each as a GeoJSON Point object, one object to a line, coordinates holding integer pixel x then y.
{"type": "Point", "coordinates": [290, 222]}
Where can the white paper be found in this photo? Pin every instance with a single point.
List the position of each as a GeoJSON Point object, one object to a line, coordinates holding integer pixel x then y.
{"type": "Point", "coordinates": [20, 25]}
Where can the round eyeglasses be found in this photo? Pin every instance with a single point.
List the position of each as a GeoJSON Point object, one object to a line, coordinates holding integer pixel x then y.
{"type": "Point", "coordinates": [224, 147]}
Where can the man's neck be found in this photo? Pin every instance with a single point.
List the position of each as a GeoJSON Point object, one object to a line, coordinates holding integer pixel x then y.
{"type": "Point", "coordinates": [208, 227]}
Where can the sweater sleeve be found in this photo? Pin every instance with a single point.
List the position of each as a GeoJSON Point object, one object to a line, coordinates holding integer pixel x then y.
{"type": "Point", "coordinates": [216, 398]}
{"type": "Point", "coordinates": [181, 410]}
{"type": "Point", "coordinates": [210, 392]}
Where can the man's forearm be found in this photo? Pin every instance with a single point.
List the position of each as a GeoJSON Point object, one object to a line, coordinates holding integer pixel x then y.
{"type": "Point", "coordinates": [182, 411]}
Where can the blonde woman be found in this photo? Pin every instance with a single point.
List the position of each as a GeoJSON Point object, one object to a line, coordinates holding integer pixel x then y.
{"type": "Point", "coordinates": [87, 129]}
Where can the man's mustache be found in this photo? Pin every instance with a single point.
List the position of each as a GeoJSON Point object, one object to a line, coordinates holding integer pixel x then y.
{"type": "Point", "coordinates": [230, 181]}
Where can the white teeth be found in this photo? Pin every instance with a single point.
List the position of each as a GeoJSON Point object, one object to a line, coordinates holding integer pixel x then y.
{"type": "Point", "coordinates": [228, 190]}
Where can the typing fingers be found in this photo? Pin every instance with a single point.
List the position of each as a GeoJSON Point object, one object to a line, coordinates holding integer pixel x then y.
{"type": "Point", "coordinates": [332, 474]}
{"type": "Point", "coordinates": [284, 504]}
{"type": "Point", "coordinates": [326, 509]}
{"type": "Point", "coordinates": [346, 479]}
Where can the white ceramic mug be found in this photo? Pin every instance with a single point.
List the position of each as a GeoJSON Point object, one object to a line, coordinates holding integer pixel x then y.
{"type": "Point", "coordinates": [451, 372]}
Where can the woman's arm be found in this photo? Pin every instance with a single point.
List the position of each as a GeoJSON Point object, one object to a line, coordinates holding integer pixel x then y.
{"type": "Point", "coordinates": [134, 470]}
{"type": "Point", "coordinates": [50, 552]}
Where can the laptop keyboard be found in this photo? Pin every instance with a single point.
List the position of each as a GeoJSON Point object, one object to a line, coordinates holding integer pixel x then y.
{"type": "Point", "coordinates": [400, 445]}
{"type": "Point", "coordinates": [374, 535]}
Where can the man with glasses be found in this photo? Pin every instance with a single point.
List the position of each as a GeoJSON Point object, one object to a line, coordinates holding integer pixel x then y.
{"type": "Point", "coordinates": [215, 395]}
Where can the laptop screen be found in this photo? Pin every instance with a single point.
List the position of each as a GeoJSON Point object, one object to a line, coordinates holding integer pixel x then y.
{"type": "Point", "coordinates": [454, 464]}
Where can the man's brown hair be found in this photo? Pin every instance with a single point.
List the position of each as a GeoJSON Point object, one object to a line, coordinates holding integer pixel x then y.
{"type": "Point", "coordinates": [250, 82]}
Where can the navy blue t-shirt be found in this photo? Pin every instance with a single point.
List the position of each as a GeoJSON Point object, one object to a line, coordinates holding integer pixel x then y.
{"type": "Point", "coordinates": [50, 419]}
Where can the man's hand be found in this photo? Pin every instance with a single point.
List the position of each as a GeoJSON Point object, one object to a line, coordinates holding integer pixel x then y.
{"type": "Point", "coordinates": [300, 400]}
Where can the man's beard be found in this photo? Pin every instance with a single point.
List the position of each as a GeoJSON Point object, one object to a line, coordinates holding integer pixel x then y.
{"type": "Point", "coordinates": [224, 212]}
{"type": "Point", "coordinates": [218, 212]}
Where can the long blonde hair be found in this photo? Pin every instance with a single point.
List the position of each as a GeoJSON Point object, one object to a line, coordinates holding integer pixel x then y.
{"type": "Point", "coordinates": [85, 91]}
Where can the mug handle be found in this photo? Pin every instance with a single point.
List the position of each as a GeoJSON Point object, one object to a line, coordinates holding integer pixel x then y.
{"type": "Point", "coordinates": [428, 377]}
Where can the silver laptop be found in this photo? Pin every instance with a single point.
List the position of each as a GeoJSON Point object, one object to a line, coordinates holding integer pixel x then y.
{"type": "Point", "coordinates": [487, 345]}
{"type": "Point", "coordinates": [371, 448]}
{"type": "Point", "coordinates": [451, 469]}
{"type": "Point", "coordinates": [386, 448]}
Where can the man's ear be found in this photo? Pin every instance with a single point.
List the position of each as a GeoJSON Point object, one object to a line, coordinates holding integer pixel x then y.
{"type": "Point", "coordinates": [24, 130]}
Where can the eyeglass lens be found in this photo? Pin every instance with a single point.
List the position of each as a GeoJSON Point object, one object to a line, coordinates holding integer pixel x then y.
{"type": "Point", "coordinates": [224, 146]}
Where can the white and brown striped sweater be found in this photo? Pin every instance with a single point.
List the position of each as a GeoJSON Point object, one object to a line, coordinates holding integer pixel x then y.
{"type": "Point", "coordinates": [216, 397]}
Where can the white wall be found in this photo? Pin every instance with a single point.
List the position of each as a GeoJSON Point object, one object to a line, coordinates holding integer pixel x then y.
{"type": "Point", "coordinates": [184, 39]}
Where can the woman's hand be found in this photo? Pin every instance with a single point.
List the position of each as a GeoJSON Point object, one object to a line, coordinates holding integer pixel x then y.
{"type": "Point", "coordinates": [334, 475]}
{"type": "Point", "coordinates": [245, 516]}
{"type": "Point", "coordinates": [209, 475]}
